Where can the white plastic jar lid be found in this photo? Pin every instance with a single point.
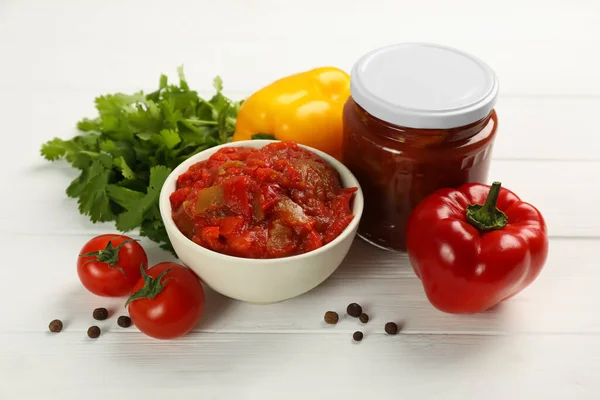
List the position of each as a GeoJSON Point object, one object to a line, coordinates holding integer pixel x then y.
{"type": "Point", "coordinates": [424, 86]}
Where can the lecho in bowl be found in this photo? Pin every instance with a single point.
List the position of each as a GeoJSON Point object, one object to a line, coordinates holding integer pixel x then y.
{"type": "Point", "coordinates": [260, 220]}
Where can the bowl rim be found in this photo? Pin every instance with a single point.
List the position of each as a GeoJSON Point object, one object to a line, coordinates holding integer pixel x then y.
{"type": "Point", "coordinates": [172, 229]}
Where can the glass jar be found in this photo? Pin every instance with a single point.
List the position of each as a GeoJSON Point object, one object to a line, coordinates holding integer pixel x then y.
{"type": "Point", "coordinates": [419, 118]}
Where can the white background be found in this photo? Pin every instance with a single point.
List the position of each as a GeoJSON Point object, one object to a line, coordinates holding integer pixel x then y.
{"type": "Point", "coordinates": [56, 56]}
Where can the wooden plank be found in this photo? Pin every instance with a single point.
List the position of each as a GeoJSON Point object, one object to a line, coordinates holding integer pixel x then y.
{"type": "Point", "coordinates": [548, 185]}
{"type": "Point", "coordinates": [63, 50]}
{"type": "Point", "coordinates": [298, 366]}
{"type": "Point", "coordinates": [383, 282]}
{"type": "Point", "coordinates": [532, 128]}
{"type": "Point", "coordinates": [548, 128]}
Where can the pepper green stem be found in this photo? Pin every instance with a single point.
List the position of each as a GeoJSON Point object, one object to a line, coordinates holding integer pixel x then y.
{"type": "Point", "coordinates": [152, 286]}
{"type": "Point", "coordinates": [487, 217]}
{"type": "Point", "coordinates": [259, 136]}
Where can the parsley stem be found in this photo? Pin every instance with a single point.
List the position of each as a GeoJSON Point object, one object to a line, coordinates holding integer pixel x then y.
{"type": "Point", "coordinates": [201, 122]}
{"type": "Point", "coordinates": [208, 104]}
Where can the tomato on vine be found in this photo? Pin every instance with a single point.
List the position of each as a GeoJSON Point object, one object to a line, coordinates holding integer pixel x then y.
{"type": "Point", "coordinates": [109, 265]}
{"type": "Point", "coordinates": [168, 301]}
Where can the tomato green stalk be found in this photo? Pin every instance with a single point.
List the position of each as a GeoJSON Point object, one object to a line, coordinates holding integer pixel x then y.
{"type": "Point", "coordinates": [152, 286]}
{"type": "Point", "coordinates": [110, 255]}
{"type": "Point", "coordinates": [487, 217]}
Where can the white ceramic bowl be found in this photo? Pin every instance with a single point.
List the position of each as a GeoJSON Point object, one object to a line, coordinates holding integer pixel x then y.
{"type": "Point", "coordinates": [253, 280]}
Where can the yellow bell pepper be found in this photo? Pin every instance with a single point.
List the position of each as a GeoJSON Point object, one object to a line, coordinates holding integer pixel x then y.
{"type": "Point", "coordinates": [305, 108]}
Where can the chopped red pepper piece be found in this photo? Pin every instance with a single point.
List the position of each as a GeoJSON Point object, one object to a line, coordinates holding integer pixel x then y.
{"type": "Point", "coordinates": [475, 246]}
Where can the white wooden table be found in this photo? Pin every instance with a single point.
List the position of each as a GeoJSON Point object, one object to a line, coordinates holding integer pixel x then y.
{"type": "Point", "coordinates": [56, 56]}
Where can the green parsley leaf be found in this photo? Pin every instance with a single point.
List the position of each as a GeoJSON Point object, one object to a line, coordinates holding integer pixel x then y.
{"type": "Point", "coordinates": [218, 83]}
{"type": "Point", "coordinates": [124, 197]}
{"type": "Point", "coordinates": [182, 81]}
{"type": "Point", "coordinates": [164, 81]}
{"type": "Point", "coordinates": [171, 138]}
{"type": "Point", "coordinates": [89, 125]}
{"type": "Point", "coordinates": [145, 135]}
{"type": "Point", "coordinates": [134, 216]}
{"type": "Point", "coordinates": [155, 230]}
{"type": "Point", "coordinates": [121, 164]}
{"type": "Point", "coordinates": [56, 148]}
{"type": "Point", "coordinates": [90, 189]}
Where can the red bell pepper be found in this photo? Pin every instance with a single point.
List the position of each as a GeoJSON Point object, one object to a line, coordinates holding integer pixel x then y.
{"type": "Point", "coordinates": [475, 246]}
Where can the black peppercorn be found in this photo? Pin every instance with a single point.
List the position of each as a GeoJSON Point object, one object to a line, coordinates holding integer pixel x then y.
{"type": "Point", "coordinates": [364, 318]}
{"type": "Point", "coordinates": [93, 332]}
{"type": "Point", "coordinates": [358, 335]}
{"type": "Point", "coordinates": [354, 310]}
{"type": "Point", "coordinates": [331, 317]}
{"type": "Point", "coordinates": [100, 314]}
{"type": "Point", "coordinates": [55, 326]}
{"type": "Point", "coordinates": [124, 321]}
{"type": "Point", "coordinates": [391, 328]}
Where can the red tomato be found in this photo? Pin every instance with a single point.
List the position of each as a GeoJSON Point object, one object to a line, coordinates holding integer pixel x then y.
{"type": "Point", "coordinates": [167, 302]}
{"type": "Point", "coordinates": [109, 265]}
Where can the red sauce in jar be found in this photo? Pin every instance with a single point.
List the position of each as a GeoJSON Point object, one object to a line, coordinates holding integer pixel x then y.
{"type": "Point", "coordinates": [398, 167]}
{"type": "Point", "coordinates": [420, 118]}
{"type": "Point", "coordinates": [277, 201]}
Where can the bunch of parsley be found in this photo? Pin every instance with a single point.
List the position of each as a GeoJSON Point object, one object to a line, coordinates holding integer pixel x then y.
{"type": "Point", "coordinates": [127, 152]}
